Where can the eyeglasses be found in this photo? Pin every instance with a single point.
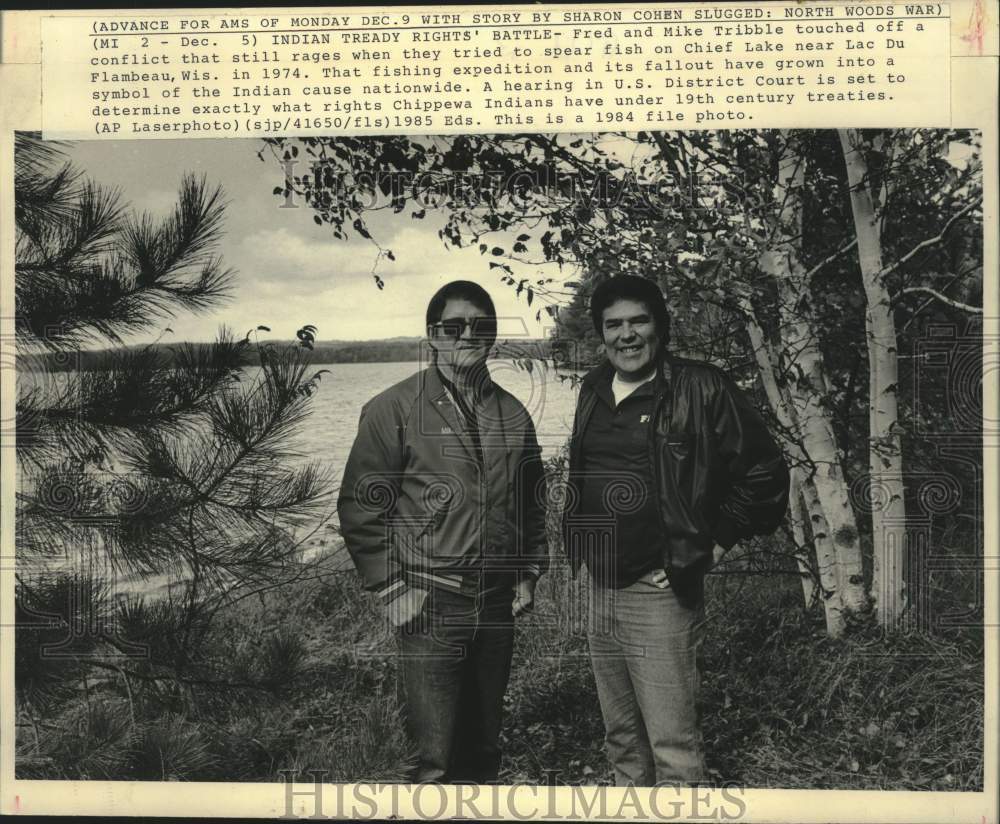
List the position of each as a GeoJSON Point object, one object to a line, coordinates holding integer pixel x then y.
{"type": "Point", "coordinates": [454, 328]}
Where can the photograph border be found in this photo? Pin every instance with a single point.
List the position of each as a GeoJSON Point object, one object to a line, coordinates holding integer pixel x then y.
{"type": "Point", "coordinates": [973, 105]}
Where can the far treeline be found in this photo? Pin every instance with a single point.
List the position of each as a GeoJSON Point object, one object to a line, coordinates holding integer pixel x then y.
{"type": "Point", "coordinates": [392, 350]}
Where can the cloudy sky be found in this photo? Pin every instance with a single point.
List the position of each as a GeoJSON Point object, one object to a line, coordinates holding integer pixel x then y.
{"type": "Point", "coordinates": [290, 271]}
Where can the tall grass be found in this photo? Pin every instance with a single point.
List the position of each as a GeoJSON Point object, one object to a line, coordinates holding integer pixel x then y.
{"type": "Point", "coordinates": [783, 705]}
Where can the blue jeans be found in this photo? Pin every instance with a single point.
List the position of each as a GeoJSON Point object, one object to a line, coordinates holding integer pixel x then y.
{"type": "Point", "coordinates": [643, 648]}
{"type": "Point", "coordinates": [455, 664]}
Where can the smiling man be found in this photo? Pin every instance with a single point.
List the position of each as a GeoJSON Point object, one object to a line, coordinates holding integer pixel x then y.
{"type": "Point", "coordinates": [668, 460]}
{"type": "Point", "coordinates": [442, 510]}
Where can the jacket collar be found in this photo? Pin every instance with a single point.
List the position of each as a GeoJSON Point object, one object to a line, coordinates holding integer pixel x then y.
{"type": "Point", "coordinates": [437, 386]}
{"type": "Point", "coordinates": [439, 395]}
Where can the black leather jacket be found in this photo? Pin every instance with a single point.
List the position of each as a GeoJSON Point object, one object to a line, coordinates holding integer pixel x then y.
{"type": "Point", "coordinates": [720, 477]}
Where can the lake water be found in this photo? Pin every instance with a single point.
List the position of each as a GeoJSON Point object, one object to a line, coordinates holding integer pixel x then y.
{"type": "Point", "coordinates": [333, 422]}
{"type": "Point", "coordinates": [329, 429]}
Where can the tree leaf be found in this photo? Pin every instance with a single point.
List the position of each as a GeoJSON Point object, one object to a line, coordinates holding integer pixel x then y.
{"type": "Point", "coordinates": [359, 227]}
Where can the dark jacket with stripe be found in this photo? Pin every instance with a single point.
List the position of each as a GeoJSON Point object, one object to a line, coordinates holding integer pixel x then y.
{"type": "Point", "coordinates": [719, 475]}
{"type": "Point", "coordinates": [420, 504]}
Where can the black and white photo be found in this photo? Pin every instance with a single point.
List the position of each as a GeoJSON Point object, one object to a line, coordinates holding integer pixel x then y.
{"type": "Point", "coordinates": [596, 459]}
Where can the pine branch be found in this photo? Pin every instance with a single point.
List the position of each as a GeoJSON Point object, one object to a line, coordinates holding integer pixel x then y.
{"type": "Point", "coordinates": [69, 245]}
{"type": "Point", "coordinates": [129, 391]}
{"type": "Point", "coordinates": [43, 201]}
{"type": "Point", "coordinates": [43, 196]}
{"type": "Point", "coordinates": [91, 275]}
{"type": "Point", "coordinates": [201, 682]}
{"type": "Point", "coordinates": [229, 475]}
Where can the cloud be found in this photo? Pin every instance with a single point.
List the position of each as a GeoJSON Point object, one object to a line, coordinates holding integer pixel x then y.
{"type": "Point", "coordinates": [290, 270]}
{"type": "Point", "coordinates": [288, 279]}
{"type": "Point", "coordinates": [159, 203]}
{"type": "Point", "coordinates": [284, 256]}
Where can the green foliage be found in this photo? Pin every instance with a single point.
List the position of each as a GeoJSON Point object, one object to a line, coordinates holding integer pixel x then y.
{"type": "Point", "coordinates": [788, 707]}
{"type": "Point", "coordinates": [162, 462]}
{"type": "Point", "coordinates": [99, 739]}
{"type": "Point", "coordinates": [782, 705]}
{"type": "Point", "coordinates": [282, 658]}
{"type": "Point", "coordinates": [373, 748]}
{"type": "Point", "coordinates": [696, 212]}
{"type": "Point", "coordinates": [172, 749]}
{"type": "Point", "coordinates": [52, 616]}
{"type": "Point", "coordinates": [88, 270]}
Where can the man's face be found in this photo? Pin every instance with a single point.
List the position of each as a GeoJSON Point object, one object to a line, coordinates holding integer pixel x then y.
{"type": "Point", "coordinates": [463, 337]}
{"type": "Point", "coordinates": [631, 338]}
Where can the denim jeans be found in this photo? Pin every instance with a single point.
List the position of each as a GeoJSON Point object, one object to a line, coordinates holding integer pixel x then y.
{"type": "Point", "coordinates": [643, 648]}
{"type": "Point", "coordinates": [455, 664]}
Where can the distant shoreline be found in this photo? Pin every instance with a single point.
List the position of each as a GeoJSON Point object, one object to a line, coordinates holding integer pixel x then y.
{"type": "Point", "coordinates": [390, 350]}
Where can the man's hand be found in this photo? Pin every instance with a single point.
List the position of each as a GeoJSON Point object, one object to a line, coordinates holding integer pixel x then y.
{"type": "Point", "coordinates": [524, 596]}
{"type": "Point", "coordinates": [407, 606]}
{"type": "Point", "coordinates": [656, 577]}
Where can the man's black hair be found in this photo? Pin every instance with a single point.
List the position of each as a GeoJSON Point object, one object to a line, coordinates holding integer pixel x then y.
{"type": "Point", "coordinates": [460, 290]}
{"type": "Point", "coordinates": [630, 287]}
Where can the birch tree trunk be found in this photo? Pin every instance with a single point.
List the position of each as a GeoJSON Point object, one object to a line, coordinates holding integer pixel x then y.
{"type": "Point", "coordinates": [885, 453]}
{"type": "Point", "coordinates": [808, 385]}
{"type": "Point", "coordinates": [826, 564]}
{"type": "Point", "coordinates": [804, 500]}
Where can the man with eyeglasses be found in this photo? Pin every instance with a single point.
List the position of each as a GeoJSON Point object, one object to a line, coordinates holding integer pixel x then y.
{"type": "Point", "coordinates": [442, 510]}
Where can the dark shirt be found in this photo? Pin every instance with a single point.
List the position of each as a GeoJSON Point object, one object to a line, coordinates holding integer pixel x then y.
{"type": "Point", "coordinates": [618, 505]}
{"type": "Point", "coordinates": [467, 409]}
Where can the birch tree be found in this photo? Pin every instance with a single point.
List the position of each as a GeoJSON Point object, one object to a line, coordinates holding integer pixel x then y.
{"type": "Point", "coordinates": [716, 218]}
{"type": "Point", "coordinates": [824, 487]}
{"type": "Point", "coordinates": [688, 230]}
{"type": "Point", "coordinates": [885, 463]}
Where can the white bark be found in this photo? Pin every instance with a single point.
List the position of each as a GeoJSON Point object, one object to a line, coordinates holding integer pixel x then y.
{"type": "Point", "coordinates": [807, 389]}
{"type": "Point", "coordinates": [954, 304]}
{"type": "Point", "coordinates": [810, 590]}
{"type": "Point", "coordinates": [805, 501]}
{"type": "Point", "coordinates": [884, 443]}
{"type": "Point", "coordinates": [802, 558]}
